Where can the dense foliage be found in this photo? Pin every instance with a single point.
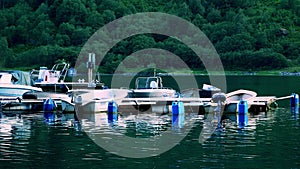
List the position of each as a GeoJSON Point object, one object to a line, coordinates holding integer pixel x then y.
{"type": "Point", "coordinates": [248, 34]}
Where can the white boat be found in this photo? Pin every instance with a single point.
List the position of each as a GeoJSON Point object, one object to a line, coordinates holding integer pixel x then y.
{"type": "Point", "coordinates": [53, 80]}
{"type": "Point", "coordinates": [150, 87]}
{"type": "Point", "coordinates": [9, 89]}
{"type": "Point", "coordinates": [233, 98]}
{"type": "Point", "coordinates": [12, 91]}
{"type": "Point", "coordinates": [97, 100]}
{"type": "Point", "coordinates": [236, 96]}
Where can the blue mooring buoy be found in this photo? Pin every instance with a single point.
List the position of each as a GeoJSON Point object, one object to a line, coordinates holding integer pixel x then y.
{"type": "Point", "coordinates": [112, 112]}
{"type": "Point", "coordinates": [177, 114]}
{"type": "Point", "coordinates": [49, 110]}
{"type": "Point", "coordinates": [294, 100]}
{"type": "Point", "coordinates": [295, 110]}
{"type": "Point", "coordinates": [177, 108]}
{"type": "Point", "coordinates": [242, 118]}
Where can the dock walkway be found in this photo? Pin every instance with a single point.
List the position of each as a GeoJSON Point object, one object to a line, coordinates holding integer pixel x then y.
{"type": "Point", "coordinates": [160, 105]}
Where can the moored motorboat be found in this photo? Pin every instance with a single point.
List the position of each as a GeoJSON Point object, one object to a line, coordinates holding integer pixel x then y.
{"type": "Point", "coordinates": [10, 88]}
{"type": "Point", "coordinates": [150, 87]}
{"type": "Point", "coordinates": [12, 91]}
{"type": "Point", "coordinates": [54, 80]}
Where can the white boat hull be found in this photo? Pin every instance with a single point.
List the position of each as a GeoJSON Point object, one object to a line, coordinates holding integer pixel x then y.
{"type": "Point", "coordinates": [97, 100]}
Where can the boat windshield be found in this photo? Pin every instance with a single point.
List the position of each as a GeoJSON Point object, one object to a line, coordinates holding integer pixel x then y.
{"type": "Point", "coordinates": [148, 83]}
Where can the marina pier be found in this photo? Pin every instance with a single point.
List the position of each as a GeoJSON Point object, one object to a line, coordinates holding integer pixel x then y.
{"type": "Point", "coordinates": [135, 105]}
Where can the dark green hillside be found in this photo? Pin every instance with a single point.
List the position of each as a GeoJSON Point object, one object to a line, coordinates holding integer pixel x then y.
{"type": "Point", "coordinates": [248, 34]}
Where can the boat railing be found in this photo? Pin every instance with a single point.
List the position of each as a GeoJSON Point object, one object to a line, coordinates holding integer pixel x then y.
{"type": "Point", "coordinates": [57, 73]}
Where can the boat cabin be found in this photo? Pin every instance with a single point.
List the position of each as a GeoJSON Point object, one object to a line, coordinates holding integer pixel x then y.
{"type": "Point", "coordinates": [148, 83]}
{"type": "Point", "coordinates": [56, 74]}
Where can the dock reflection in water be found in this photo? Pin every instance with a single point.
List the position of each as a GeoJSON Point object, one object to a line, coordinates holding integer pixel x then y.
{"type": "Point", "coordinates": [269, 140]}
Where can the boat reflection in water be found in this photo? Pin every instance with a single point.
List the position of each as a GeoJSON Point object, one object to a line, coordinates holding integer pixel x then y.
{"type": "Point", "coordinates": [144, 134]}
{"type": "Point", "coordinates": [15, 131]}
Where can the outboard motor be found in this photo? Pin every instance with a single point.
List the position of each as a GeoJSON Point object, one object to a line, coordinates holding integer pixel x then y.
{"type": "Point", "coordinates": [219, 98]}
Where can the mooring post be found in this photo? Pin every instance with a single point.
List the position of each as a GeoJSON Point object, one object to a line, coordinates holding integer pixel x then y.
{"type": "Point", "coordinates": [294, 100]}
{"type": "Point", "coordinates": [178, 113]}
{"type": "Point", "coordinates": [242, 118]}
{"type": "Point", "coordinates": [48, 110]}
{"type": "Point", "coordinates": [112, 112]}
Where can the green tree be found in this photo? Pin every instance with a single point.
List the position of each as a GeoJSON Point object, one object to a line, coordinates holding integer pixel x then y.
{"type": "Point", "coordinates": [108, 16]}
{"type": "Point", "coordinates": [142, 42]}
{"type": "Point", "coordinates": [237, 42]}
{"type": "Point", "coordinates": [196, 7]}
{"type": "Point", "coordinates": [80, 36]}
{"type": "Point", "coordinates": [5, 53]}
{"type": "Point", "coordinates": [214, 16]}
{"type": "Point", "coordinates": [43, 32]}
{"type": "Point", "coordinates": [95, 20]}
{"type": "Point", "coordinates": [199, 21]}
{"type": "Point", "coordinates": [71, 9]}
{"type": "Point", "coordinates": [3, 20]}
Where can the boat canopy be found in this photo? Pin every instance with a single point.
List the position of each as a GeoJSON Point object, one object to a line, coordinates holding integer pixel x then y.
{"type": "Point", "coordinates": [16, 77]}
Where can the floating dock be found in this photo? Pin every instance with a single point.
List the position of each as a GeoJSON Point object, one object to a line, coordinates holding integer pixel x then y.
{"type": "Point", "coordinates": [192, 105]}
{"type": "Point", "coordinates": [28, 104]}
{"type": "Point", "coordinates": [162, 105]}
{"type": "Point", "coordinates": [158, 105]}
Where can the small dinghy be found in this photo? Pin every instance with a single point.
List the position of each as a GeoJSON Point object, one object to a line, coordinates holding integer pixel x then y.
{"type": "Point", "coordinates": [241, 94]}
{"type": "Point", "coordinates": [234, 97]}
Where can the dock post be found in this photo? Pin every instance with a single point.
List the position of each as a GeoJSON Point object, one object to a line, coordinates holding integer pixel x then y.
{"type": "Point", "coordinates": [294, 100]}
{"type": "Point", "coordinates": [242, 118]}
{"type": "Point", "coordinates": [91, 65]}
{"type": "Point", "coordinates": [112, 112]}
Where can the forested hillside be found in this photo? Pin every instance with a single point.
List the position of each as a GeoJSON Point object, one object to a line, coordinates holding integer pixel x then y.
{"type": "Point", "coordinates": [248, 34]}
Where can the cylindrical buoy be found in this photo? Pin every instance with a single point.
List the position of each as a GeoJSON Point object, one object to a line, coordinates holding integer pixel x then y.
{"type": "Point", "coordinates": [112, 111]}
{"type": "Point", "coordinates": [177, 114]}
{"type": "Point", "coordinates": [242, 118]}
{"type": "Point", "coordinates": [112, 107]}
{"type": "Point", "coordinates": [177, 108]}
{"type": "Point", "coordinates": [49, 110]}
{"type": "Point", "coordinates": [295, 109]}
{"type": "Point", "coordinates": [294, 99]}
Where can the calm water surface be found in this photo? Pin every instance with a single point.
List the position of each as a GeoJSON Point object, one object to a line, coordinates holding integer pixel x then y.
{"type": "Point", "coordinates": [271, 140]}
